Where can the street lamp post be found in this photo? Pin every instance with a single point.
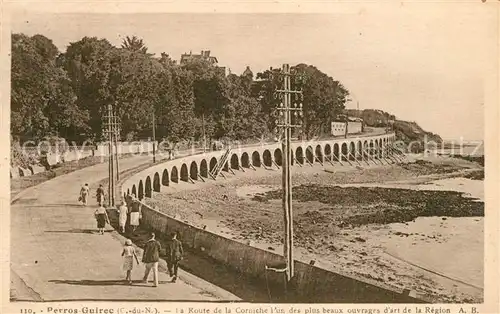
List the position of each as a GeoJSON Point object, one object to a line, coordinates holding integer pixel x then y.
{"type": "Point", "coordinates": [288, 114]}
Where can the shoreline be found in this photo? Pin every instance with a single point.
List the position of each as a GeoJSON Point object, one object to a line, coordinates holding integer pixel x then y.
{"type": "Point", "coordinates": [228, 208]}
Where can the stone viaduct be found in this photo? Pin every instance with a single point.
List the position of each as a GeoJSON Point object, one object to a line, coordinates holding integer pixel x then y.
{"type": "Point", "coordinates": [190, 169]}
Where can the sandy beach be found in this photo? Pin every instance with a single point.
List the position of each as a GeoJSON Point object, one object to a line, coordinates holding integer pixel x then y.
{"type": "Point", "coordinates": [417, 225]}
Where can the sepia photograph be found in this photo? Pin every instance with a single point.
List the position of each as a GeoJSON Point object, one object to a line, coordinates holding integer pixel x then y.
{"type": "Point", "coordinates": [251, 157]}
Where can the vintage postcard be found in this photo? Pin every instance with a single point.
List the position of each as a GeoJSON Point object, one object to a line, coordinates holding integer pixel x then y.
{"type": "Point", "coordinates": [250, 157]}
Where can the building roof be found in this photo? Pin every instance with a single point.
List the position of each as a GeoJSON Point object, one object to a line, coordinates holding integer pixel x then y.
{"type": "Point", "coordinates": [354, 119]}
{"type": "Point", "coordinates": [343, 118]}
{"type": "Point", "coordinates": [204, 55]}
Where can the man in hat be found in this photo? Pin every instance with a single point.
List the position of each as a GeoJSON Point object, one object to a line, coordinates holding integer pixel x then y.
{"type": "Point", "coordinates": [174, 255]}
{"type": "Point", "coordinates": [150, 258]}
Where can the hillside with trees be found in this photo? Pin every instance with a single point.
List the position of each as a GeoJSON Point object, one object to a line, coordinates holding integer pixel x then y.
{"type": "Point", "coordinates": [406, 131]}
{"type": "Point", "coordinates": [64, 94]}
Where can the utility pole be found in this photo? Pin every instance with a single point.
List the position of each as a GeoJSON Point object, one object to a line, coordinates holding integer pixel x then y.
{"type": "Point", "coordinates": [154, 137]}
{"type": "Point", "coordinates": [286, 124]}
{"type": "Point", "coordinates": [204, 135]}
{"type": "Point", "coordinates": [116, 133]}
{"type": "Point", "coordinates": [112, 134]}
{"type": "Point", "coordinates": [111, 182]}
{"type": "Point", "coordinates": [346, 126]}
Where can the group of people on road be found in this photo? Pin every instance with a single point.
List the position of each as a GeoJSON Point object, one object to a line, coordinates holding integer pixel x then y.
{"type": "Point", "coordinates": [100, 214]}
{"type": "Point", "coordinates": [85, 192]}
{"type": "Point", "coordinates": [133, 213]}
{"type": "Point", "coordinates": [151, 256]}
{"type": "Point", "coordinates": [130, 215]}
{"type": "Point", "coordinates": [152, 248]}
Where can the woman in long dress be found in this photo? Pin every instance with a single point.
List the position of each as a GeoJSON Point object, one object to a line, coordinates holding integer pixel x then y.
{"type": "Point", "coordinates": [134, 214]}
{"type": "Point", "coordinates": [84, 193]}
{"type": "Point", "coordinates": [123, 214]}
{"type": "Point", "coordinates": [100, 194]}
{"type": "Point", "coordinates": [129, 254]}
{"type": "Point", "coordinates": [102, 218]}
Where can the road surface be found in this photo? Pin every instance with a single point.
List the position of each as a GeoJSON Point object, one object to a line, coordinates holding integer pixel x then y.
{"type": "Point", "coordinates": [57, 253]}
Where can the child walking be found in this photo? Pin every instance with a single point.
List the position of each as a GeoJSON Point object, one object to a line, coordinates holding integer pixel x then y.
{"type": "Point", "coordinates": [129, 254]}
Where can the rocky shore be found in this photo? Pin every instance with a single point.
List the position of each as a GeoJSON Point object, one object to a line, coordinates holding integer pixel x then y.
{"type": "Point", "coordinates": [357, 206]}
{"type": "Point", "coordinates": [369, 231]}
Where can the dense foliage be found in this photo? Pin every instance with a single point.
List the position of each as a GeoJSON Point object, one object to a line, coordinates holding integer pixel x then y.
{"type": "Point", "coordinates": [66, 94]}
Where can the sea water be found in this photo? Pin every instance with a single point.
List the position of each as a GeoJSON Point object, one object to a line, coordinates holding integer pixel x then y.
{"type": "Point", "coordinates": [453, 247]}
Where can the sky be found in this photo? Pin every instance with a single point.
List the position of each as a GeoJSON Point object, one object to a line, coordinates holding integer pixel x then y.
{"type": "Point", "coordinates": [422, 62]}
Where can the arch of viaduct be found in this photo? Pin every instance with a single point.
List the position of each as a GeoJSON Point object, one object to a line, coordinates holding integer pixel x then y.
{"type": "Point", "coordinates": [195, 168]}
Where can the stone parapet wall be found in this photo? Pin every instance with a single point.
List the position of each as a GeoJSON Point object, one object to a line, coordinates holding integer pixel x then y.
{"type": "Point", "coordinates": [310, 284]}
{"type": "Point", "coordinates": [194, 168]}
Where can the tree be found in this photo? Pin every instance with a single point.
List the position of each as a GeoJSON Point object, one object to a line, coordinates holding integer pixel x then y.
{"type": "Point", "coordinates": [210, 97]}
{"type": "Point", "coordinates": [67, 94]}
{"type": "Point", "coordinates": [264, 91]}
{"type": "Point", "coordinates": [88, 63]}
{"type": "Point", "coordinates": [134, 44]}
{"type": "Point", "coordinates": [247, 120]}
{"type": "Point", "coordinates": [135, 88]}
{"type": "Point", "coordinates": [179, 116]}
{"type": "Point", "coordinates": [324, 98]}
{"type": "Point", "coordinates": [166, 60]}
{"type": "Point", "coordinates": [42, 100]}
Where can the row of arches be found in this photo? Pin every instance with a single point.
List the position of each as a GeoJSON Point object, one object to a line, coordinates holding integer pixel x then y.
{"type": "Point", "coordinates": [324, 152]}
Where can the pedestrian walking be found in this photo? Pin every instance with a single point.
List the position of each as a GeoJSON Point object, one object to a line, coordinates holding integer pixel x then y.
{"type": "Point", "coordinates": [135, 212]}
{"type": "Point", "coordinates": [174, 255]}
{"type": "Point", "coordinates": [129, 255]}
{"type": "Point", "coordinates": [101, 215]}
{"type": "Point", "coordinates": [150, 258]}
{"type": "Point", "coordinates": [122, 216]}
{"type": "Point", "coordinates": [100, 194]}
{"type": "Point", "coordinates": [84, 194]}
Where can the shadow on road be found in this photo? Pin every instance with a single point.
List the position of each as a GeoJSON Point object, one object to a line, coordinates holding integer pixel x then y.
{"type": "Point", "coordinates": [64, 206]}
{"type": "Point", "coordinates": [24, 201]}
{"type": "Point", "coordinates": [205, 268]}
{"type": "Point", "coordinates": [87, 231]}
{"type": "Point", "coordinates": [135, 283]}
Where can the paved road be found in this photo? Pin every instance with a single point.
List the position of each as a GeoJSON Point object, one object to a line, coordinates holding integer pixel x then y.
{"type": "Point", "coordinates": [57, 253]}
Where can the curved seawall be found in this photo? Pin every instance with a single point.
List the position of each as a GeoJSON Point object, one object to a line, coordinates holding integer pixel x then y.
{"type": "Point", "coordinates": [359, 150]}
{"type": "Point", "coordinates": [310, 283]}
